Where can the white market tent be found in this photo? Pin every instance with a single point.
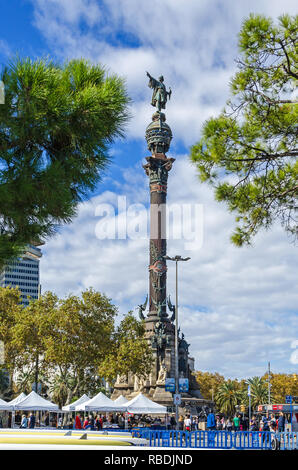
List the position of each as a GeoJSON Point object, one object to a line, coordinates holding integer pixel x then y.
{"type": "Point", "coordinates": [34, 402]}
{"type": "Point", "coordinates": [17, 400]}
{"type": "Point", "coordinates": [79, 401]}
{"type": "Point", "coordinates": [142, 405]}
{"type": "Point", "coordinates": [121, 400]}
{"type": "Point", "coordinates": [100, 403]}
{"type": "Point", "coordinates": [4, 406]}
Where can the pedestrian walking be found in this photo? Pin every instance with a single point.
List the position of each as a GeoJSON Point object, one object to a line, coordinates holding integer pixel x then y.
{"type": "Point", "coordinates": [229, 425]}
{"type": "Point", "coordinates": [78, 422]}
{"type": "Point", "coordinates": [194, 423]}
{"type": "Point", "coordinates": [180, 423]}
{"type": "Point", "coordinates": [236, 422]}
{"type": "Point", "coordinates": [24, 422]}
{"type": "Point", "coordinates": [253, 424]}
{"type": "Point", "coordinates": [265, 429]}
{"type": "Point", "coordinates": [281, 422]}
{"type": "Point", "coordinates": [187, 423]}
{"type": "Point", "coordinates": [272, 423]}
{"type": "Point", "coordinates": [47, 420]}
{"type": "Point", "coordinates": [31, 421]}
{"type": "Point", "coordinates": [173, 422]}
{"type": "Point", "coordinates": [211, 422]}
{"type": "Point", "coordinates": [244, 423]}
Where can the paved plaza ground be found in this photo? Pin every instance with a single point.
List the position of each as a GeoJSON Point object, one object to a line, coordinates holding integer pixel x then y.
{"type": "Point", "coordinates": [38, 439]}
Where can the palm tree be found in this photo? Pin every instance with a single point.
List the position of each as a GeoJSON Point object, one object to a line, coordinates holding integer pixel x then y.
{"type": "Point", "coordinates": [60, 387]}
{"type": "Point", "coordinates": [227, 397]}
{"type": "Point", "coordinates": [24, 381]}
{"type": "Point", "coordinates": [258, 391]}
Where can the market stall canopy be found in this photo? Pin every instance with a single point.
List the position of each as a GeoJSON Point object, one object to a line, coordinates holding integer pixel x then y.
{"type": "Point", "coordinates": [121, 400]}
{"type": "Point", "coordinates": [79, 401]}
{"type": "Point", "coordinates": [4, 406]}
{"type": "Point", "coordinates": [17, 400]}
{"type": "Point", "coordinates": [142, 405]}
{"type": "Point", "coordinates": [34, 402]}
{"type": "Point", "coordinates": [100, 403]}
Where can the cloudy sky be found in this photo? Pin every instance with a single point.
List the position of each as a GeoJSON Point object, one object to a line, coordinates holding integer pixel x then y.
{"type": "Point", "coordinates": [237, 307]}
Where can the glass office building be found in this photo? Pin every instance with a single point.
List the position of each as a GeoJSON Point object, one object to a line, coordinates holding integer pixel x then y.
{"type": "Point", "coordinates": [24, 273]}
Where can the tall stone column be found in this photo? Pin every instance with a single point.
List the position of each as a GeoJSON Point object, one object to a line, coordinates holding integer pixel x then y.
{"type": "Point", "coordinates": [159, 321]}
{"type": "Point", "coordinates": [158, 135]}
{"type": "Point", "coordinates": [159, 328]}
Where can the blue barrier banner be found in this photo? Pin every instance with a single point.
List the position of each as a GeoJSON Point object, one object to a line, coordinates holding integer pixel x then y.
{"type": "Point", "coordinates": [256, 440]}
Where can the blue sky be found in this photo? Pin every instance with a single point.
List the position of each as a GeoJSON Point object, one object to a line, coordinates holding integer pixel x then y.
{"type": "Point", "coordinates": [238, 307]}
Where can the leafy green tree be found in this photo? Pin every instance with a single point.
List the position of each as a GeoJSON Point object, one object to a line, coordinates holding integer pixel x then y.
{"type": "Point", "coordinates": [10, 299]}
{"type": "Point", "coordinates": [209, 383]}
{"type": "Point", "coordinates": [79, 340]}
{"type": "Point", "coordinates": [32, 326]}
{"type": "Point", "coordinates": [249, 152]}
{"type": "Point", "coordinates": [55, 129]}
{"type": "Point", "coordinates": [129, 351]}
{"type": "Point", "coordinates": [72, 344]}
{"type": "Point", "coordinates": [281, 385]}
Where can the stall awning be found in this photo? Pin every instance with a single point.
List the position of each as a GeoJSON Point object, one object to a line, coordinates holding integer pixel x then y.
{"type": "Point", "coordinates": [34, 402]}
{"type": "Point", "coordinates": [79, 401]}
{"type": "Point", "coordinates": [4, 406]}
{"type": "Point", "coordinates": [143, 405]}
{"type": "Point", "coordinates": [99, 403]}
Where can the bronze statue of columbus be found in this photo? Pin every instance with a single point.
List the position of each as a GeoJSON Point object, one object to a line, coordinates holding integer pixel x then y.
{"type": "Point", "coordinates": [160, 94]}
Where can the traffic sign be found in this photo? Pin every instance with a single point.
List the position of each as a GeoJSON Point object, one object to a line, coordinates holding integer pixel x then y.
{"type": "Point", "coordinates": [177, 399]}
{"type": "Point", "coordinates": [248, 390]}
{"type": "Point", "coordinates": [289, 399]}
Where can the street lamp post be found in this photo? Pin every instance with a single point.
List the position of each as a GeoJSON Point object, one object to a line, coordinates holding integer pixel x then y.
{"type": "Point", "coordinates": [249, 405]}
{"type": "Point", "coordinates": [176, 259]}
{"type": "Point", "coordinates": [269, 385]}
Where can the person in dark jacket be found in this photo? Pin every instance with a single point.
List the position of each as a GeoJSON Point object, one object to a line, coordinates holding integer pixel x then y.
{"type": "Point", "coordinates": [31, 421]}
{"type": "Point", "coordinates": [210, 421]}
{"type": "Point", "coordinates": [265, 429]}
{"type": "Point", "coordinates": [173, 422]}
{"type": "Point", "coordinates": [281, 422]}
{"type": "Point", "coordinates": [47, 420]}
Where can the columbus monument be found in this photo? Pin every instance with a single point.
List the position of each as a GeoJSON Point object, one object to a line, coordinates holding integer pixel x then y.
{"type": "Point", "coordinates": [159, 321]}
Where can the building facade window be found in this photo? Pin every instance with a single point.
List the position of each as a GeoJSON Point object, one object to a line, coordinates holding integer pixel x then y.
{"type": "Point", "coordinates": [24, 274]}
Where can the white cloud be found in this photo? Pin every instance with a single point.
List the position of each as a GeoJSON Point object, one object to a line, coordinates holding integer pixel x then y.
{"type": "Point", "coordinates": [193, 44]}
{"type": "Point", "coordinates": [236, 305]}
{"type": "Point", "coordinates": [294, 355]}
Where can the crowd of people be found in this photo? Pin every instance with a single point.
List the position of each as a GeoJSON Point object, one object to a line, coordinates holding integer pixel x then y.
{"type": "Point", "coordinates": [264, 423]}
{"type": "Point", "coordinates": [94, 422]}
{"type": "Point", "coordinates": [215, 422]}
